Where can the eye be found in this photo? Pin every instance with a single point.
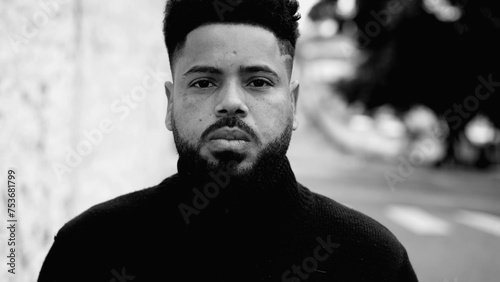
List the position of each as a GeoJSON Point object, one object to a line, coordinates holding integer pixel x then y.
{"type": "Point", "coordinates": [258, 83]}
{"type": "Point", "coordinates": [203, 84]}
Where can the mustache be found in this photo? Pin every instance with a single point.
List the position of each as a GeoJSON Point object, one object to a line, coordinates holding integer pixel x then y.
{"type": "Point", "coordinates": [230, 122]}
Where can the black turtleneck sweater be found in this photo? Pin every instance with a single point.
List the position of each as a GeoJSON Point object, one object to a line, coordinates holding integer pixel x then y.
{"type": "Point", "coordinates": [214, 228]}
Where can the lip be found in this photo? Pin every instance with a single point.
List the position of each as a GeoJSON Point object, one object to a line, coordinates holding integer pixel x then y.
{"type": "Point", "coordinates": [229, 134]}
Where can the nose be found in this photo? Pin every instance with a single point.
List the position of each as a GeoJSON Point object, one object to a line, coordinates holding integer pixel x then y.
{"type": "Point", "coordinates": [231, 101]}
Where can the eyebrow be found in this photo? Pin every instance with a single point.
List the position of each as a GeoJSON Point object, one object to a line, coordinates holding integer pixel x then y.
{"type": "Point", "coordinates": [259, 68]}
{"type": "Point", "coordinates": [202, 69]}
{"type": "Point", "coordinates": [243, 69]}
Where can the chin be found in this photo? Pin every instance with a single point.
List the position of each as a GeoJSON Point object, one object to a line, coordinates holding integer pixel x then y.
{"type": "Point", "coordinates": [240, 169]}
{"type": "Point", "coordinates": [235, 164]}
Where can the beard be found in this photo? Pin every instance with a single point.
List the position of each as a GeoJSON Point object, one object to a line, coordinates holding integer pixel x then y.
{"type": "Point", "coordinates": [264, 170]}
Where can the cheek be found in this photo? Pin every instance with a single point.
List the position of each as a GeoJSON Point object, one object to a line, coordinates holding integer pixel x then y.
{"type": "Point", "coordinates": [190, 117]}
{"type": "Point", "coordinates": [273, 118]}
{"type": "Point", "coordinates": [193, 105]}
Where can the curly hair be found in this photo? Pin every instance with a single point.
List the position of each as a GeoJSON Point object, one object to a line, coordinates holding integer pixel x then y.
{"type": "Point", "coordinates": [278, 16]}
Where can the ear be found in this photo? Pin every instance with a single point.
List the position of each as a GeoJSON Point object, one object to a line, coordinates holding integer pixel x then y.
{"type": "Point", "coordinates": [294, 95]}
{"type": "Point", "coordinates": [169, 90]}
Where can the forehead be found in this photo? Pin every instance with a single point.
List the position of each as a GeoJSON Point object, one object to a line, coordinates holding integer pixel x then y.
{"type": "Point", "coordinates": [228, 45]}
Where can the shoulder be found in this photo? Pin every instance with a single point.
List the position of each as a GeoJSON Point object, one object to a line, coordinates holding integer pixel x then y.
{"type": "Point", "coordinates": [106, 234]}
{"type": "Point", "coordinates": [361, 241]}
{"type": "Point", "coordinates": [136, 205]}
{"type": "Point", "coordinates": [346, 220]}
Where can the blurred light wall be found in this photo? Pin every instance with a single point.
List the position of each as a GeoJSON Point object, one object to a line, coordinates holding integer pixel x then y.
{"type": "Point", "coordinates": [82, 109]}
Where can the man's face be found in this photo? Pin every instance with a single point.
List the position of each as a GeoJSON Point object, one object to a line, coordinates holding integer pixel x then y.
{"type": "Point", "coordinates": [231, 99]}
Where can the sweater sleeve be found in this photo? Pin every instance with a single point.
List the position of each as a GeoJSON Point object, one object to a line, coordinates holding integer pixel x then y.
{"type": "Point", "coordinates": [74, 258]}
{"type": "Point", "coordinates": [406, 272]}
{"type": "Point", "coordinates": [55, 264]}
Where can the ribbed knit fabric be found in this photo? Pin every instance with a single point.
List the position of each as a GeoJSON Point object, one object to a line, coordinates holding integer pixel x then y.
{"type": "Point", "coordinates": [209, 227]}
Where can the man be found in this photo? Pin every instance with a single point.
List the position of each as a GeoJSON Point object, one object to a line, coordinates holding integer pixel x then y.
{"type": "Point", "coordinates": [234, 211]}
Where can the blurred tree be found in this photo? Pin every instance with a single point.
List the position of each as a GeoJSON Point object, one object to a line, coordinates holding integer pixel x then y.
{"type": "Point", "coordinates": [444, 55]}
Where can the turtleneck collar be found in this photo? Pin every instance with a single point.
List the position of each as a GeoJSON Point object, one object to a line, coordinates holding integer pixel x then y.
{"type": "Point", "coordinates": [273, 190]}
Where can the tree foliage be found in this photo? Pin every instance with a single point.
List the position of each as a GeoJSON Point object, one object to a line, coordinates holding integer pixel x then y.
{"type": "Point", "coordinates": [420, 53]}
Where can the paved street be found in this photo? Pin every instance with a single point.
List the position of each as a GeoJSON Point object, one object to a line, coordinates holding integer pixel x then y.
{"type": "Point", "coordinates": [448, 220]}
